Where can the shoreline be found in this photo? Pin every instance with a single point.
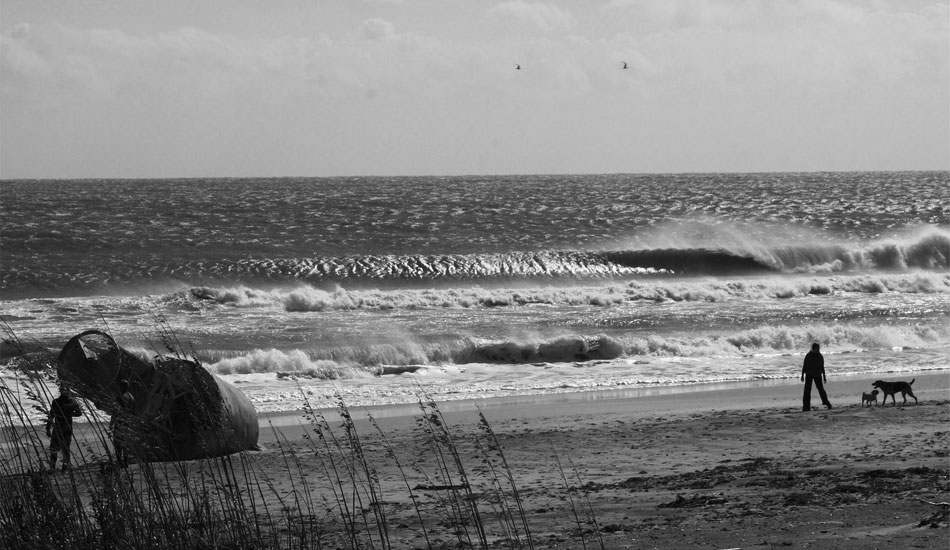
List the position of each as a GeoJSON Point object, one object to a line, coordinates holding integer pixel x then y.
{"type": "Point", "coordinates": [771, 394]}
{"type": "Point", "coordinates": [777, 394]}
{"type": "Point", "coordinates": [735, 465]}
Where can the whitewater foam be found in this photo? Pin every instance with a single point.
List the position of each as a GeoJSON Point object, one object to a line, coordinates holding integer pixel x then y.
{"type": "Point", "coordinates": [303, 298]}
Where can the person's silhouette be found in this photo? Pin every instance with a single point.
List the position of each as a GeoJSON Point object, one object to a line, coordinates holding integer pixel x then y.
{"type": "Point", "coordinates": [121, 424]}
{"type": "Point", "coordinates": [59, 426]}
{"type": "Point", "coordinates": [813, 370]}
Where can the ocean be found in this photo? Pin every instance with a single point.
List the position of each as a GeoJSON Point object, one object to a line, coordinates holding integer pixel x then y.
{"type": "Point", "coordinates": [381, 290]}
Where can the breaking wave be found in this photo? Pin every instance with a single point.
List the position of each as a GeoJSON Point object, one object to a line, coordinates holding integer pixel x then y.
{"type": "Point", "coordinates": [363, 361]}
{"type": "Point", "coordinates": [308, 298]}
{"type": "Point", "coordinates": [929, 249]}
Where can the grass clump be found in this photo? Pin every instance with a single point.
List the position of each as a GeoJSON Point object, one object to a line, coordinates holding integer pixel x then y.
{"type": "Point", "coordinates": [337, 486]}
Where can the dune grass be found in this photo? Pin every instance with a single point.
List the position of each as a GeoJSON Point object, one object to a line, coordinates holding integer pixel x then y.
{"type": "Point", "coordinates": [333, 488]}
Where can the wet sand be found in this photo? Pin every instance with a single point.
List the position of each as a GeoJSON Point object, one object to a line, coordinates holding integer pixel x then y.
{"type": "Point", "coordinates": [720, 466]}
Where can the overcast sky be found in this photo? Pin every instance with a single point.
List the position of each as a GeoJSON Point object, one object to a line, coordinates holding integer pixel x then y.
{"type": "Point", "coordinates": [180, 88]}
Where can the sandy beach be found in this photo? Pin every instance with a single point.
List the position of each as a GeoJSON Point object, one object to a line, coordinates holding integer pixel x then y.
{"type": "Point", "coordinates": [730, 466]}
{"type": "Point", "coordinates": [719, 466]}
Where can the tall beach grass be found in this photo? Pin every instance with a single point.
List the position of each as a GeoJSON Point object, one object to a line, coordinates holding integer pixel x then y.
{"type": "Point", "coordinates": [336, 486]}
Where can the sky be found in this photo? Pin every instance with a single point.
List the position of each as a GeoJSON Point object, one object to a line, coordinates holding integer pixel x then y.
{"type": "Point", "coordinates": [254, 88]}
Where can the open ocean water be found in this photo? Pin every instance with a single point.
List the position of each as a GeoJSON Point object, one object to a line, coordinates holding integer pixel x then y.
{"type": "Point", "coordinates": [384, 289]}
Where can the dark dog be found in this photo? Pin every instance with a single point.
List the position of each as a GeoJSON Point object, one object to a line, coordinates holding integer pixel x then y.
{"type": "Point", "coordinates": [891, 389]}
{"type": "Point", "coordinates": [869, 397]}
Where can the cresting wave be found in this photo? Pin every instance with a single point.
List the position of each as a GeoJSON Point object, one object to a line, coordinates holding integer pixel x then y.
{"type": "Point", "coordinates": [369, 360]}
{"type": "Point", "coordinates": [929, 250]}
{"type": "Point", "coordinates": [303, 298]}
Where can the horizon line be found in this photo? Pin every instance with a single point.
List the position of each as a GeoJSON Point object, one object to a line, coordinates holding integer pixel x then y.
{"type": "Point", "coordinates": [472, 175]}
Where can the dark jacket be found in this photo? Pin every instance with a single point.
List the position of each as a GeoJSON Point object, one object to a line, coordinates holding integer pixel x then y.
{"type": "Point", "coordinates": [814, 364]}
{"type": "Point", "coordinates": [61, 413]}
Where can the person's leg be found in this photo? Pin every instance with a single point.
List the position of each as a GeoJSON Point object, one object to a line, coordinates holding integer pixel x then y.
{"type": "Point", "coordinates": [806, 397]}
{"type": "Point", "coordinates": [116, 451]}
{"type": "Point", "coordinates": [821, 392]}
{"type": "Point", "coordinates": [67, 441]}
{"type": "Point", "coordinates": [120, 457]}
{"type": "Point", "coordinates": [55, 444]}
{"type": "Point", "coordinates": [123, 440]}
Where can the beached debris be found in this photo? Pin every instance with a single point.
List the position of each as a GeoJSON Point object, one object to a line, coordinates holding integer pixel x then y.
{"type": "Point", "coordinates": [181, 410]}
{"type": "Point", "coordinates": [694, 501]}
{"type": "Point", "coordinates": [938, 519]}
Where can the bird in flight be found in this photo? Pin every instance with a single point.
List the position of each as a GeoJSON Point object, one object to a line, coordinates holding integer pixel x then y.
{"type": "Point", "coordinates": [518, 67]}
{"type": "Point", "coordinates": [624, 64]}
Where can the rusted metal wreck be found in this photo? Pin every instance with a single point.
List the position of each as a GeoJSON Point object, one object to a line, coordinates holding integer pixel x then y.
{"type": "Point", "coordinates": [181, 411]}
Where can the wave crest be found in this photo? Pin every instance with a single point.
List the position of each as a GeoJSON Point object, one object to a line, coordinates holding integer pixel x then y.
{"type": "Point", "coordinates": [378, 360]}
{"type": "Point", "coordinates": [311, 299]}
{"type": "Point", "coordinates": [290, 362]}
{"type": "Point", "coordinates": [929, 249]}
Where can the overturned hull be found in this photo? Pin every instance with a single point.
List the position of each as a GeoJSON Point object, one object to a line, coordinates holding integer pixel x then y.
{"type": "Point", "coordinates": [181, 410]}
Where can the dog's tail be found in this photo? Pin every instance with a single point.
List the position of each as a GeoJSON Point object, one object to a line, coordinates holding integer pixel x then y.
{"type": "Point", "coordinates": [911, 383]}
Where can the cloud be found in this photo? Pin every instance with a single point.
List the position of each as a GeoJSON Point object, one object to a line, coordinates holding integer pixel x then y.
{"type": "Point", "coordinates": [74, 63]}
{"type": "Point", "coordinates": [376, 29]}
{"type": "Point", "coordinates": [545, 16]}
{"type": "Point", "coordinates": [18, 60]}
{"type": "Point", "coordinates": [681, 47]}
{"type": "Point", "coordinates": [801, 66]}
{"type": "Point", "coordinates": [744, 46]}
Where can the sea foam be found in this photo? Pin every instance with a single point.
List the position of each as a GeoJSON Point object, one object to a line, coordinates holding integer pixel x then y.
{"type": "Point", "coordinates": [304, 298]}
{"type": "Point", "coordinates": [372, 360]}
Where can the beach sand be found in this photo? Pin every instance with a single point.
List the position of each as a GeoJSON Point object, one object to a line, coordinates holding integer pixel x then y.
{"type": "Point", "coordinates": [719, 466]}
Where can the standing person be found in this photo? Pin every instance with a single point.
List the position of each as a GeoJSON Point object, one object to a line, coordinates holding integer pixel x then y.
{"type": "Point", "coordinates": [59, 426]}
{"type": "Point", "coordinates": [813, 370]}
{"type": "Point", "coordinates": [121, 424]}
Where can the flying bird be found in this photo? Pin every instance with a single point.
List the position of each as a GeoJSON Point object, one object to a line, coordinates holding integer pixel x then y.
{"type": "Point", "coordinates": [624, 64]}
{"type": "Point", "coordinates": [518, 67]}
